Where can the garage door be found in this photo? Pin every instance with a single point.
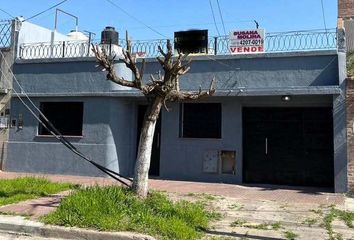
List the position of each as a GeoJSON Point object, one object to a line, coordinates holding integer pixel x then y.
{"type": "Point", "coordinates": [291, 146]}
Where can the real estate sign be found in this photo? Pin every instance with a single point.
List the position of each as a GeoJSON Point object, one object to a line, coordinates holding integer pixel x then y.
{"type": "Point", "coordinates": [246, 41]}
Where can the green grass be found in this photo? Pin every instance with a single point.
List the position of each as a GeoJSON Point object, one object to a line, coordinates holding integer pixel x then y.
{"type": "Point", "coordinates": [20, 189]}
{"type": "Point", "coordinates": [346, 216]}
{"type": "Point", "coordinates": [310, 221]}
{"type": "Point", "coordinates": [117, 209]}
{"type": "Point", "coordinates": [262, 226]}
{"type": "Point", "coordinates": [289, 235]}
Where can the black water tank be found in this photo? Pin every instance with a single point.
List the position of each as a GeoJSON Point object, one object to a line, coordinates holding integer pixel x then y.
{"type": "Point", "coordinates": [191, 41]}
{"type": "Point", "coordinates": [109, 36]}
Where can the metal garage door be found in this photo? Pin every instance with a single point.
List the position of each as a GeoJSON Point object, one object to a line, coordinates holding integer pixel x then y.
{"type": "Point", "coordinates": [290, 146]}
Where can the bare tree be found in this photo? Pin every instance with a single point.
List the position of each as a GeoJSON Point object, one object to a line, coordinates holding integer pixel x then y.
{"type": "Point", "coordinates": [158, 91]}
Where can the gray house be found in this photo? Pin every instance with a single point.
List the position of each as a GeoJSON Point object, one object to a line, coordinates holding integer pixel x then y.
{"type": "Point", "coordinates": [277, 117]}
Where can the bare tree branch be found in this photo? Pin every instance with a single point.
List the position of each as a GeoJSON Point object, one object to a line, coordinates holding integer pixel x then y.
{"type": "Point", "coordinates": [107, 65]}
{"type": "Point", "coordinates": [176, 95]}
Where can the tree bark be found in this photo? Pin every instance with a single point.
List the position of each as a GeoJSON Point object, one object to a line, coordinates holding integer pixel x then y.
{"type": "Point", "coordinates": [142, 165]}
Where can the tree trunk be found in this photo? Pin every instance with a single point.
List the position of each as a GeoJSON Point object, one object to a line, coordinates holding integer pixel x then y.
{"type": "Point", "coordinates": [142, 165]}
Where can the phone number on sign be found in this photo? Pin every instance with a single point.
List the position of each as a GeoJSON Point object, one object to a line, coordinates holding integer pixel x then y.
{"type": "Point", "coordinates": [251, 42]}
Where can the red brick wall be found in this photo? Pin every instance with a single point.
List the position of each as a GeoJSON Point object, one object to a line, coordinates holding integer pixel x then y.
{"type": "Point", "coordinates": [350, 133]}
{"type": "Point", "coordinates": [345, 8]}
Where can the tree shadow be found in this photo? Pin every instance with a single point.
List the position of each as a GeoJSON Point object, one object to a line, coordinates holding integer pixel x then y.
{"type": "Point", "coordinates": [299, 189]}
{"type": "Point", "coordinates": [238, 235]}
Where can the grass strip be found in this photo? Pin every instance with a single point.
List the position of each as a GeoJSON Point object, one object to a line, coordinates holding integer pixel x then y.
{"type": "Point", "coordinates": [114, 208]}
{"type": "Point", "coordinates": [23, 188]}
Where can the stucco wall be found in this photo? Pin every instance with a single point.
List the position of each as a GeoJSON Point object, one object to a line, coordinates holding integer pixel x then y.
{"type": "Point", "coordinates": [182, 158]}
{"type": "Point", "coordinates": [107, 138]}
{"type": "Point", "coordinates": [110, 122]}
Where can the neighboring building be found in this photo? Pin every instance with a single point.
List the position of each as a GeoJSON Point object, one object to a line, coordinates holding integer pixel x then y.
{"type": "Point", "coordinates": [346, 21]}
{"type": "Point", "coordinates": [277, 117]}
{"type": "Point", "coordinates": [8, 43]}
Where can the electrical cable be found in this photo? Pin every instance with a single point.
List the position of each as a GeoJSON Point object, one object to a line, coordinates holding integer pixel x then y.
{"type": "Point", "coordinates": [2, 10]}
{"type": "Point", "coordinates": [51, 129]}
{"type": "Point", "coordinates": [222, 19]}
{"type": "Point", "coordinates": [50, 8]}
{"type": "Point", "coordinates": [212, 11]}
{"type": "Point", "coordinates": [323, 16]}
{"type": "Point", "coordinates": [135, 18]}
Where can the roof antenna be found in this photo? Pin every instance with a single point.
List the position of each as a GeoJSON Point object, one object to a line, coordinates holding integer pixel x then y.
{"type": "Point", "coordinates": [257, 24]}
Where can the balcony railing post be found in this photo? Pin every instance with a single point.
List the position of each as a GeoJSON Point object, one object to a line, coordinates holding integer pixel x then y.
{"type": "Point", "coordinates": [215, 45]}
{"type": "Point", "coordinates": [63, 55]}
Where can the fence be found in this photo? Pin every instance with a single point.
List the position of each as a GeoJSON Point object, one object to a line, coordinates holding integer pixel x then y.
{"type": "Point", "coordinates": [274, 42]}
{"type": "Point", "coordinates": [5, 33]}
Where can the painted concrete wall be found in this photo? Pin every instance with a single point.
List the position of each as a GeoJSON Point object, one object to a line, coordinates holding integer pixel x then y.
{"type": "Point", "coordinates": [182, 158]}
{"type": "Point", "coordinates": [107, 138]}
{"type": "Point", "coordinates": [76, 76]}
{"type": "Point", "coordinates": [232, 72]}
{"type": "Point", "coordinates": [110, 122]}
{"type": "Point", "coordinates": [277, 70]}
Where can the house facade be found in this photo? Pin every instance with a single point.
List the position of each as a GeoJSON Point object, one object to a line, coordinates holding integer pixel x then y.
{"type": "Point", "coordinates": [277, 117]}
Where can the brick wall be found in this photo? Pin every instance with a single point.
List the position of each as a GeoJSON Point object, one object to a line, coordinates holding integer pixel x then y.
{"type": "Point", "coordinates": [345, 8]}
{"type": "Point", "coordinates": [350, 133]}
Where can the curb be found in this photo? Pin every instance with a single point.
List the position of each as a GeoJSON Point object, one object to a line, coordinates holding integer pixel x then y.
{"type": "Point", "coordinates": [21, 225]}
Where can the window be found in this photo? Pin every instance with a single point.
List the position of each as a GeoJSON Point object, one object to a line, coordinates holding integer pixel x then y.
{"type": "Point", "coordinates": [65, 116]}
{"type": "Point", "coordinates": [200, 120]}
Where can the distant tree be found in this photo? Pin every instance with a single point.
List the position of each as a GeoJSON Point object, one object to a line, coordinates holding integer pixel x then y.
{"type": "Point", "coordinates": [161, 89]}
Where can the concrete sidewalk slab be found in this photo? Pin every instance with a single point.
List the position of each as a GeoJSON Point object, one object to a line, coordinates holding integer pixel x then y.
{"type": "Point", "coordinates": [284, 194]}
{"type": "Point", "coordinates": [35, 208]}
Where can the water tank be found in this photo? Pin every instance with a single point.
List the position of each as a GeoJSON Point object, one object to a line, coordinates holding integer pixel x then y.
{"type": "Point", "coordinates": [191, 41]}
{"type": "Point", "coordinates": [75, 35]}
{"type": "Point", "coordinates": [109, 36]}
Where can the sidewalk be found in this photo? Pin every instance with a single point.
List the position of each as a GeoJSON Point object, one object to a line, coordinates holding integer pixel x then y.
{"type": "Point", "coordinates": [252, 203]}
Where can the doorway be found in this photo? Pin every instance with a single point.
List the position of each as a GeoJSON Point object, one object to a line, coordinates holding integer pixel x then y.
{"type": "Point", "coordinates": [155, 153]}
{"type": "Point", "coordinates": [289, 146]}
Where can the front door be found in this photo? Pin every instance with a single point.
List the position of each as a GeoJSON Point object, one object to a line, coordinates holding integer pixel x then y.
{"type": "Point", "coordinates": [291, 146]}
{"type": "Point", "coordinates": [155, 154]}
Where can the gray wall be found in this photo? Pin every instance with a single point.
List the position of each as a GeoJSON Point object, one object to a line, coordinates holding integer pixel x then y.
{"type": "Point", "coordinates": [231, 72]}
{"type": "Point", "coordinates": [110, 122]}
{"type": "Point", "coordinates": [107, 138]}
{"type": "Point", "coordinates": [182, 158]}
{"type": "Point", "coordinates": [276, 70]}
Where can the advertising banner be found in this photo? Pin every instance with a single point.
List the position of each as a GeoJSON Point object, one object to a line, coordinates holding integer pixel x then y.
{"type": "Point", "coordinates": [247, 41]}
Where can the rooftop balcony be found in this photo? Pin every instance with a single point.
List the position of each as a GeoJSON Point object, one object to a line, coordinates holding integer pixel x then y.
{"type": "Point", "coordinates": [294, 41]}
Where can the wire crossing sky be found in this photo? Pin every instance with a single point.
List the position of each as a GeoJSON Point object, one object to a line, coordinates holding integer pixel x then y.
{"type": "Point", "coordinates": [153, 19]}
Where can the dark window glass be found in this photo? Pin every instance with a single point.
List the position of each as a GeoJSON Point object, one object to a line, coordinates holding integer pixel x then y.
{"type": "Point", "coordinates": [65, 116]}
{"type": "Point", "coordinates": [201, 120]}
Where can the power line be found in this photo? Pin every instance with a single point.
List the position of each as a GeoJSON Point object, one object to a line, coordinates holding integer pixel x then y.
{"type": "Point", "coordinates": [323, 16]}
{"type": "Point", "coordinates": [2, 10]}
{"type": "Point", "coordinates": [222, 19]}
{"type": "Point", "coordinates": [52, 130]}
{"type": "Point", "coordinates": [212, 11]}
{"type": "Point", "coordinates": [135, 18]}
{"type": "Point", "coordinates": [36, 15]}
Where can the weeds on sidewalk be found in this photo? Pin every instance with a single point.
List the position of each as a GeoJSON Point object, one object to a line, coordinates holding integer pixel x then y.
{"type": "Point", "coordinates": [20, 189]}
{"type": "Point", "coordinates": [117, 209]}
{"type": "Point", "coordinates": [289, 235]}
{"type": "Point", "coordinates": [333, 213]}
{"type": "Point", "coordinates": [263, 226]}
